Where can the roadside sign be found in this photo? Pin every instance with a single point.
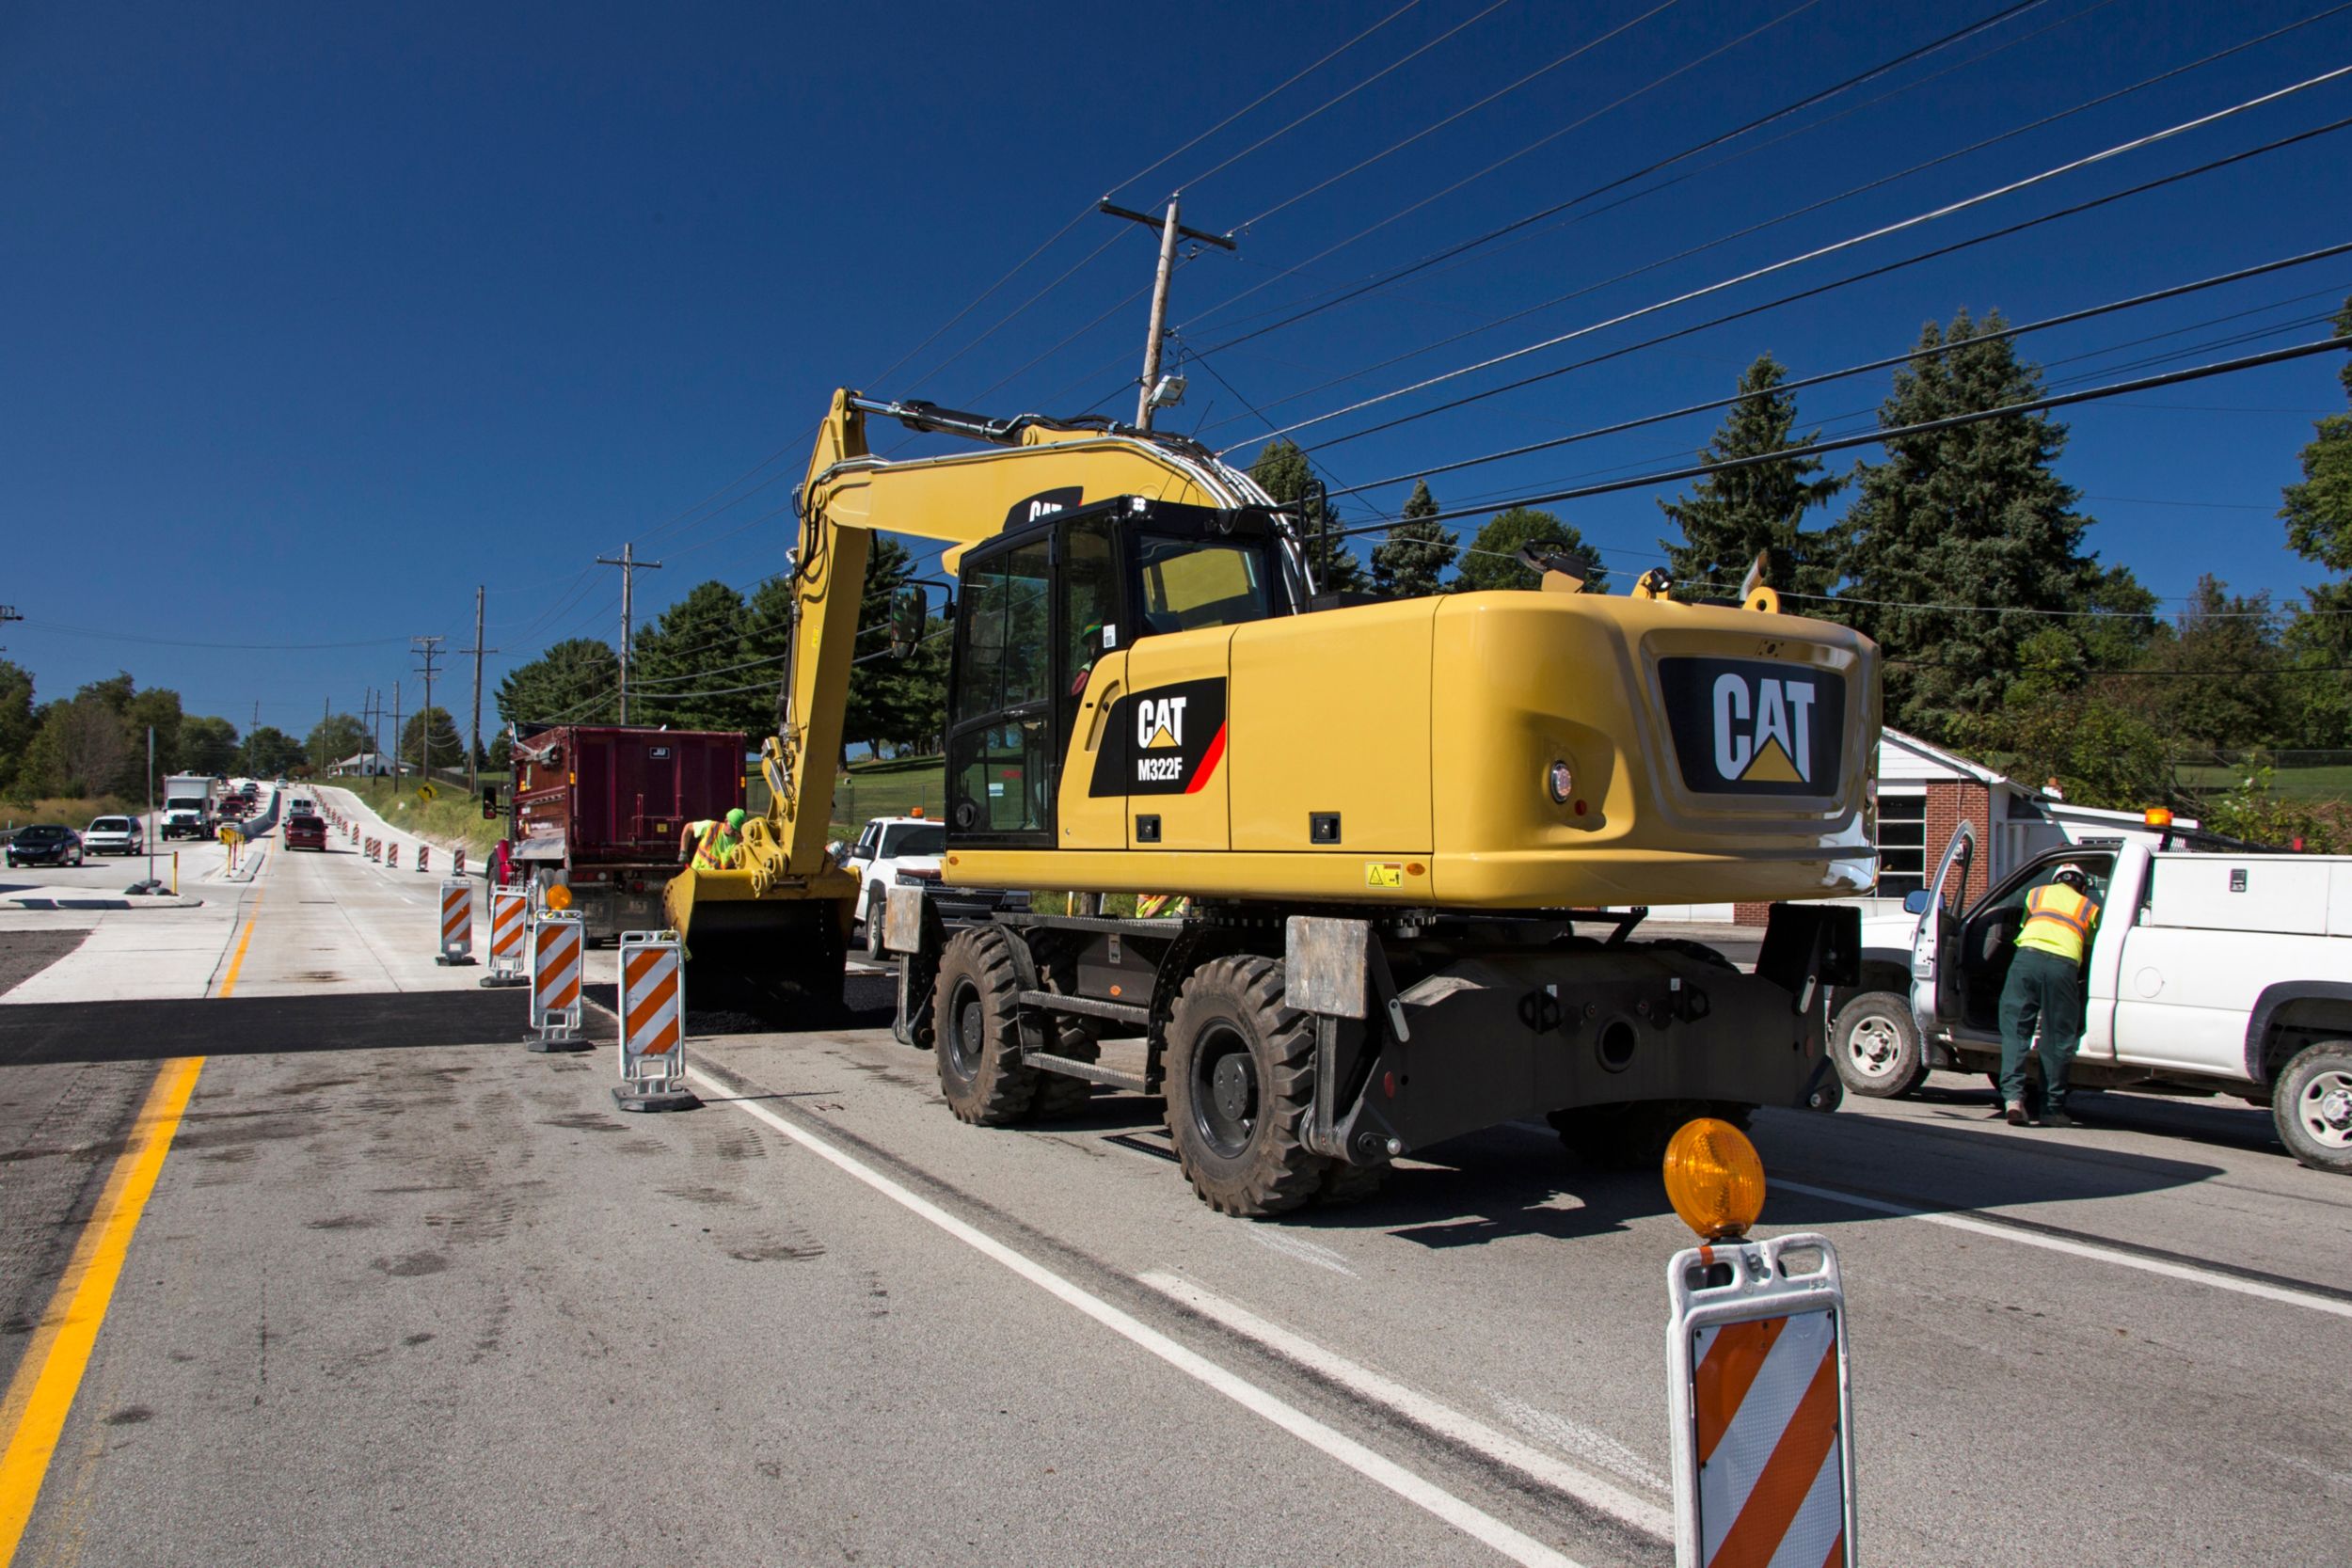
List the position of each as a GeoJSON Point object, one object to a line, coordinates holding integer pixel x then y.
{"type": "Point", "coordinates": [427, 792]}
{"type": "Point", "coordinates": [1762, 1406]}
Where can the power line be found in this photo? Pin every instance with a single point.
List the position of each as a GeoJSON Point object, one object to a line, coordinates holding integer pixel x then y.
{"type": "Point", "coordinates": [1896, 433]}
{"type": "Point", "coordinates": [1490, 235]}
{"type": "Point", "coordinates": [1866, 366]}
{"type": "Point", "coordinates": [63, 629]}
{"type": "Point", "coordinates": [1882, 232]}
{"type": "Point", "coordinates": [1884, 269]}
{"type": "Point", "coordinates": [1794, 213]}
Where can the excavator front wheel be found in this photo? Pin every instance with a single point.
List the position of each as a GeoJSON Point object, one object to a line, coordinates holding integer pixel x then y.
{"type": "Point", "coordinates": [1240, 1083]}
{"type": "Point", "coordinates": [976, 1016]}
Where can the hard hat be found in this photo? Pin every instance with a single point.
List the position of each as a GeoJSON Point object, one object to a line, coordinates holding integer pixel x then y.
{"type": "Point", "coordinates": [735, 818]}
{"type": "Point", "coordinates": [2071, 872]}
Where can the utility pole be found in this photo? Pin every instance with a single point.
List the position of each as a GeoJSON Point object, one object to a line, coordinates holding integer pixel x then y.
{"type": "Point", "coordinates": [395, 734]}
{"type": "Point", "coordinates": [1171, 230]}
{"type": "Point", "coordinates": [371, 715]}
{"type": "Point", "coordinates": [7, 613]}
{"type": "Point", "coordinates": [474, 781]}
{"type": "Point", "coordinates": [326, 707]}
{"type": "Point", "coordinates": [629, 566]}
{"type": "Point", "coordinates": [428, 649]}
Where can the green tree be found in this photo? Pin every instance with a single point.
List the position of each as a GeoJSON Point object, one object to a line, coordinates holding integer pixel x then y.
{"type": "Point", "coordinates": [763, 650]}
{"type": "Point", "coordinates": [208, 744]}
{"type": "Point", "coordinates": [1284, 473]}
{"type": "Point", "coordinates": [1491, 561]}
{"type": "Point", "coordinates": [1731, 515]}
{"type": "Point", "coordinates": [268, 752]}
{"type": "Point", "coordinates": [1957, 520]}
{"type": "Point", "coordinates": [2219, 686]}
{"type": "Point", "coordinates": [2100, 751]}
{"type": "Point", "coordinates": [1411, 562]}
{"type": "Point", "coordinates": [2318, 513]}
{"type": "Point", "coordinates": [573, 682]}
{"type": "Point", "coordinates": [17, 722]}
{"type": "Point", "coordinates": [432, 733]}
{"type": "Point", "coordinates": [887, 705]}
{"type": "Point", "coordinates": [500, 757]}
{"type": "Point", "coordinates": [692, 649]}
{"type": "Point", "coordinates": [333, 738]}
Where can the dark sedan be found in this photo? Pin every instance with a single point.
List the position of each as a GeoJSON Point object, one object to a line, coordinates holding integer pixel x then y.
{"type": "Point", "coordinates": [43, 845]}
{"type": "Point", "coordinates": [306, 832]}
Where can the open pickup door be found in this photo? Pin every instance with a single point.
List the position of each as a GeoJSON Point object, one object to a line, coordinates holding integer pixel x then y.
{"type": "Point", "coordinates": [1938, 1001]}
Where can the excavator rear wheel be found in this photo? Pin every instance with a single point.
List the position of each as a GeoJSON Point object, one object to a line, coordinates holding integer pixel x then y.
{"type": "Point", "coordinates": [1240, 1080]}
{"type": "Point", "coordinates": [977, 1019]}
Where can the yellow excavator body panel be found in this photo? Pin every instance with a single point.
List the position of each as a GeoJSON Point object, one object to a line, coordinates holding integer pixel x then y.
{"type": "Point", "coordinates": [1492, 750]}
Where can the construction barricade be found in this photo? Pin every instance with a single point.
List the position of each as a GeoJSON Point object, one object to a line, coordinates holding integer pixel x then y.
{"type": "Point", "coordinates": [392, 854]}
{"type": "Point", "coordinates": [1763, 1418]}
{"type": "Point", "coordinates": [456, 922]}
{"type": "Point", "coordinates": [653, 1024]}
{"type": "Point", "coordinates": [424, 857]}
{"type": "Point", "coordinates": [510, 918]}
{"type": "Point", "coordinates": [457, 862]}
{"type": "Point", "coordinates": [556, 946]}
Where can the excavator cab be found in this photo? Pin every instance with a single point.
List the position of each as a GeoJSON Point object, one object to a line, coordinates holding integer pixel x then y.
{"type": "Point", "coordinates": [1056, 623]}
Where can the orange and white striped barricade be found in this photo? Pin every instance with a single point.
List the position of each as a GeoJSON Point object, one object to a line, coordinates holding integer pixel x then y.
{"type": "Point", "coordinates": [652, 1024]}
{"type": "Point", "coordinates": [424, 857]}
{"type": "Point", "coordinates": [1763, 1406]}
{"type": "Point", "coordinates": [456, 922]}
{"type": "Point", "coordinates": [510, 917]}
{"type": "Point", "coordinates": [392, 853]}
{"type": "Point", "coordinates": [556, 946]}
{"type": "Point", "coordinates": [457, 867]}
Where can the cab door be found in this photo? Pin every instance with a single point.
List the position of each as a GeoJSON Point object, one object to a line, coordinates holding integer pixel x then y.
{"type": "Point", "coordinates": [1937, 1001]}
{"type": "Point", "coordinates": [1001, 754]}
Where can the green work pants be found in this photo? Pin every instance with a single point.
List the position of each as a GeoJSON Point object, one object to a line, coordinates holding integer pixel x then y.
{"type": "Point", "coordinates": [2047, 990]}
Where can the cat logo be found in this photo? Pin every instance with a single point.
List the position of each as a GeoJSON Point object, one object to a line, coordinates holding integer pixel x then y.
{"type": "Point", "coordinates": [1159, 722]}
{"type": "Point", "coordinates": [1767, 737]}
{"type": "Point", "coordinates": [1751, 726]}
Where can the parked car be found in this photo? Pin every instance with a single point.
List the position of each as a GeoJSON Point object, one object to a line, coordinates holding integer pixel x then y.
{"type": "Point", "coordinates": [2213, 969]}
{"type": "Point", "coordinates": [895, 850]}
{"type": "Point", "coordinates": [114, 835]}
{"type": "Point", "coordinates": [44, 845]}
{"type": "Point", "coordinates": [306, 832]}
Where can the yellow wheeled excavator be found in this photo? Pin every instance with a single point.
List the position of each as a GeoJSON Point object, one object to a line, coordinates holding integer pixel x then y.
{"type": "Point", "coordinates": [1417, 837]}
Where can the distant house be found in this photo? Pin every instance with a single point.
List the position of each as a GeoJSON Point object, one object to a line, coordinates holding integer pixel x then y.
{"type": "Point", "coordinates": [366, 765]}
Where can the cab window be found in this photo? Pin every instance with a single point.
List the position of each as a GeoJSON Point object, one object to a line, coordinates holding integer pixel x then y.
{"type": "Point", "coordinates": [1189, 583]}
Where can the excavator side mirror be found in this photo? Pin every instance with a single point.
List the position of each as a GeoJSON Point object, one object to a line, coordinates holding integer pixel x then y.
{"type": "Point", "coordinates": [909, 613]}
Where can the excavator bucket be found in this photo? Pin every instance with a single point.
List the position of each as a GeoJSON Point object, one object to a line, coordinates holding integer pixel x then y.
{"type": "Point", "coordinates": [776, 956]}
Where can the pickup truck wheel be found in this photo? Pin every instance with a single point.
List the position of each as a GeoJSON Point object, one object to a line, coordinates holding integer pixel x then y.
{"type": "Point", "coordinates": [1240, 1080]}
{"type": "Point", "coordinates": [2312, 1106]}
{"type": "Point", "coordinates": [1874, 1042]}
{"type": "Point", "coordinates": [976, 1020]}
{"type": "Point", "coordinates": [876, 908]}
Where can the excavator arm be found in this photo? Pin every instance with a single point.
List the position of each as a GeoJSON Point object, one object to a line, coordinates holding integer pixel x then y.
{"type": "Point", "coordinates": [783, 914]}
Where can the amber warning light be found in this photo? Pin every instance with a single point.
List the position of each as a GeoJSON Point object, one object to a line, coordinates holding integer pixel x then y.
{"type": "Point", "coordinates": [1714, 1179]}
{"type": "Point", "coordinates": [559, 896]}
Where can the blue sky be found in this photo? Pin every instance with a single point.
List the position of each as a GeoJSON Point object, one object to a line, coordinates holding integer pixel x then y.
{"type": "Point", "coordinates": [320, 316]}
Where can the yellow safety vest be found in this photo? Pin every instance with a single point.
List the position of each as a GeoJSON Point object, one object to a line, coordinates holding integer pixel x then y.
{"type": "Point", "coordinates": [2058, 920]}
{"type": "Point", "coordinates": [710, 854]}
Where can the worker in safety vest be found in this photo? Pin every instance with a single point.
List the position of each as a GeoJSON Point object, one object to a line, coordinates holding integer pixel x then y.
{"type": "Point", "coordinates": [2045, 989]}
{"type": "Point", "coordinates": [717, 845]}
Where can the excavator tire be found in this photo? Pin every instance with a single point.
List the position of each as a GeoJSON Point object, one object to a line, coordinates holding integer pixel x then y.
{"type": "Point", "coordinates": [1240, 1080]}
{"type": "Point", "coordinates": [1634, 1137]}
{"type": "Point", "coordinates": [977, 1019]}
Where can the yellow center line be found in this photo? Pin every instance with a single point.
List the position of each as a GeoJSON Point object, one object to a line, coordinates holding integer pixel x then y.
{"type": "Point", "coordinates": [33, 1411]}
{"type": "Point", "coordinates": [236, 962]}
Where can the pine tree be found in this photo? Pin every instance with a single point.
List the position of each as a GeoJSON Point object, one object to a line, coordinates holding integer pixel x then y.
{"type": "Point", "coordinates": [1282, 470]}
{"type": "Point", "coordinates": [689, 651]}
{"type": "Point", "coordinates": [574, 682]}
{"type": "Point", "coordinates": [1410, 562]}
{"type": "Point", "coordinates": [2318, 513]}
{"type": "Point", "coordinates": [1959, 519]}
{"type": "Point", "coordinates": [1491, 561]}
{"type": "Point", "coordinates": [1731, 515]}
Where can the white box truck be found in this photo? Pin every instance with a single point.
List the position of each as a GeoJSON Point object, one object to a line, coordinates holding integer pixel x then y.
{"type": "Point", "coordinates": [189, 801]}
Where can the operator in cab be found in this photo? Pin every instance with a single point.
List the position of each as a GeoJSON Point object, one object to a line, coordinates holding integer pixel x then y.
{"type": "Point", "coordinates": [2045, 990]}
{"type": "Point", "coordinates": [717, 845]}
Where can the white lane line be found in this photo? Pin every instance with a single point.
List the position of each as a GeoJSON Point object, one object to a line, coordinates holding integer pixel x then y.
{"type": "Point", "coordinates": [1471, 1520]}
{"type": "Point", "coordinates": [1551, 1427]}
{"type": "Point", "coordinates": [2258, 1288]}
{"type": "Point", "coordinates": [1419, 1408]}
{"type": "Point", "coordinates": [1299, 1247]}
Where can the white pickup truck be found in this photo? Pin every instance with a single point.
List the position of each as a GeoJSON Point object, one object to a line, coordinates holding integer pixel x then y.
{"type": "Point", "coordinates": [2211, 970]}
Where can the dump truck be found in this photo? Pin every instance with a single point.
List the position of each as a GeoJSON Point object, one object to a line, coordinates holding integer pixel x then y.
{"type": "Point", "coordinates": [597, 808]}
{"type": "Point", "coordinates": [1411, 843]}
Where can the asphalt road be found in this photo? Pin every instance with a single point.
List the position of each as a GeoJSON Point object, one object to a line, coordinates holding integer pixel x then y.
{"type": "Point", "coordinates": [407, 1293]}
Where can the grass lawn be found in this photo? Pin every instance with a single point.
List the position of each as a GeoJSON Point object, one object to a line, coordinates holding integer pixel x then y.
{"type": "Point", "coordinates": [893, 788]}
{"type": "Point", "coordinates": [2288, 784]}
{"type": "Point", "coordinates": [456, 818]}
